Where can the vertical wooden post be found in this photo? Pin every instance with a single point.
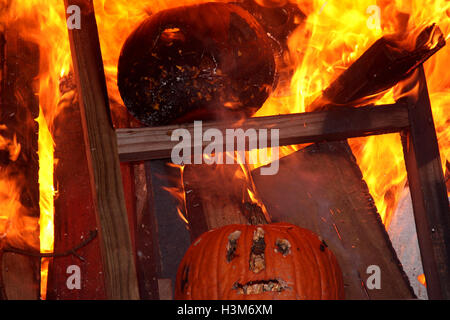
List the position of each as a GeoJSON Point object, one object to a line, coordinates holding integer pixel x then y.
{"type": "Point", "coordinates": [74, 206]}
{"type": "Point", "coordinates": [103, 160]}
{"type": "Point", "coordinates": [148, 260]}
{"type": "Point", "coordinates": [428, 193]}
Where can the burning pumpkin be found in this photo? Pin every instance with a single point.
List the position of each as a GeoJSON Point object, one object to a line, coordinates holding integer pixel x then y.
{"type": "Point", "coordinates": [271, 261]}
{"type": "Point", "coordinates": [199, 62]}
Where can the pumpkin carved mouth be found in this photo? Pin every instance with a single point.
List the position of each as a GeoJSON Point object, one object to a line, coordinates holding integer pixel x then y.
{"type": "Point", "coordinates": [260, 286]}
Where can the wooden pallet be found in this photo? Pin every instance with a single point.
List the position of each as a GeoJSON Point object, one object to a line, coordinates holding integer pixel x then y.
{"type": "Point", "coordinates": [106, 147]}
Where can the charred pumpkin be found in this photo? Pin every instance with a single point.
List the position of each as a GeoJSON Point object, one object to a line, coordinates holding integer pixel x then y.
{"type": "Point", "coordinates": [271, 261]}
{"type": "Point", "coordinates": [200, 62]}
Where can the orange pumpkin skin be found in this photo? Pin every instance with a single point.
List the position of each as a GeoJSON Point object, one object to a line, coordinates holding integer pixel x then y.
{"type": "Point", "coordinates": [297, 265]}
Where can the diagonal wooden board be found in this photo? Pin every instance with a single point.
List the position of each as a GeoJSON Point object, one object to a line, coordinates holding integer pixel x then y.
{"type": "Point", "coordinates": [321, 188]}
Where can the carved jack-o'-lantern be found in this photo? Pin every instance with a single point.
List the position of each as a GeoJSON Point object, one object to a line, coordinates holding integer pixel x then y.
{"type": "Point", "coordinates": [272, 261]}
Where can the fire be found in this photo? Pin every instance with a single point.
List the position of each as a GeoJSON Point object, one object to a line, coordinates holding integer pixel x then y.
{"type": "Point", "coordinates": [179, 193]}
{"type": "Point", "coordinates": [421, 279]}
{"type": "Point", "coordinates": [44, 23]}
{"type": "Point", "coordinates": [11, 146]}
{"type": "Point", "coordinates": [46, 195]}
{"type": "Point", "coordinates": [17, 227]}
{"type": "Point", "coordinates": [334, 35]}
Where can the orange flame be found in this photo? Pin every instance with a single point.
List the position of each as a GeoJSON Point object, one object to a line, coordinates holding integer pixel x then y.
{"type": "Point", "coordinates": [334, 35]}
{"type": "Point", "coordinates": [46, 195]}
{"type": "Point", "coordinates": [421, 279]}
{"type": "Point", "coordinates": [44, 23]}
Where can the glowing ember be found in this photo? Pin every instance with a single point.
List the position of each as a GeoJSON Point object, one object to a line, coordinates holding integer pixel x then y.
{"type": "Point", "coordinates": [421, 279]}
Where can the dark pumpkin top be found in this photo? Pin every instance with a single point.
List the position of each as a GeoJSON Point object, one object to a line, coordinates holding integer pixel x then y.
{"type": "Point", "coordinates": [200, 62]}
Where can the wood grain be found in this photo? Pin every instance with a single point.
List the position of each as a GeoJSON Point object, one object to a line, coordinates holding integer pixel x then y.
{"type": "Point", "coordinates": [74, 207]}
{"type": "Point", "coordinates": [337, 124]}
{"type": "Point", "coordinates": [428, 193]}
{"type": "Point", "coordinates": [321, 188]}
{"type": "Point", "coordinates": [102, 156]}
{"type": "Point", "coordinates": [215, 196]}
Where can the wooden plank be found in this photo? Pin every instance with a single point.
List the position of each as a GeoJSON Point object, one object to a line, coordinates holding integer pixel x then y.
{"type": "Point", "coordinates": [170, 234]}
{"type": "Point", "coordinates": [428, 193]}
{"type": "Point", "coordinates": [321, 188]}
{"type": "Point", "coordinates": [74, 206]}
{"type": "Point", "coordinates": [102, 155]}
{"type": "Point", "coordinates": [383, 65]}
{"type": "Point", "coordinates": [148, 258]}
{"type": "Point", "coordinates": [214, 197]}
{"type": "Point", "coordinates": [337, 124]}
{"type": "Point", "coordinates": [3, 295]}
{"type": "Point", "coordinates": [21, 276]}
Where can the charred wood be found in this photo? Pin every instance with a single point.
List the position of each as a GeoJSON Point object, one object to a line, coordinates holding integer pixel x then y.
{"type": "Point", "coordinates": [202, 62]}
{"type": "Point", "coordinates": [383, 65]}
{"type": "Point", "coordinates": [332, 200]}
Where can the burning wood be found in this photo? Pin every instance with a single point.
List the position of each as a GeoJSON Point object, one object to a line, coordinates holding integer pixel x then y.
{"type": "Point", "coordinates": [74, 197]}
{"type": "Point", "coordinates": [217, 195]}
{"type": "Point", "coordinates": [279, 19]}
{"type": "Point", "coordinates": [382, 66]}
{"type": "Point", "coordinates": [340, 209]}
{"type": "Point", "coordinates": [19, 188]}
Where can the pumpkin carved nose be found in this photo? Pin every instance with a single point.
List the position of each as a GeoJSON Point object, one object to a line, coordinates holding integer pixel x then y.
{"type": "Point", "coordinates": [267, 261]}
{"type": "Point", "coordinates": [257, 259]}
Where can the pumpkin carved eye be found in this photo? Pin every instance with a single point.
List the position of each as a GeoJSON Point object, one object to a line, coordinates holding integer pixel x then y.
{"type": "Point", "coordinates": [232, 245]}
{"type": "Point", "coordinates": [283, 246]}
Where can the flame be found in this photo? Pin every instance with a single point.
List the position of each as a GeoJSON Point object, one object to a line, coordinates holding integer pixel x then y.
{"type": "Point", "coordinates": [43, 23]}
{"type": "Point", "coordinates": [421, 279]}
{"type": "Point", "coordinates": [18, 228]}
{"type": "Point", "coordinates": [179, 193]}
{"type": "Point", "coordinates": [334, 35]}
{"type": "Point", "coordinates": [46, 195]}
{"type": "Point", "coordinates": [12, 146]}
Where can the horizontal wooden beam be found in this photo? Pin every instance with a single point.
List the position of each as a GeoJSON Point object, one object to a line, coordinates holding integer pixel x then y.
{"type": "Point", "coordinates": [340, 123]}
